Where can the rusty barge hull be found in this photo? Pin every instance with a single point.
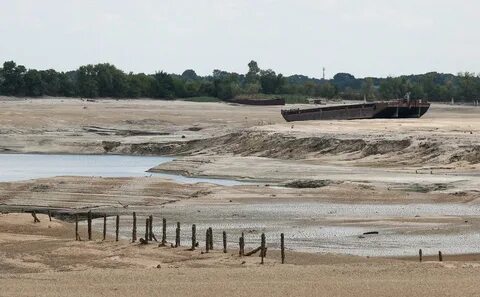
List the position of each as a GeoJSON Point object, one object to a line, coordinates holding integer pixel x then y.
{"type": "Point", "coordinates": [374, 110]}
{"type": "Point", "coordinates": [278, 101]}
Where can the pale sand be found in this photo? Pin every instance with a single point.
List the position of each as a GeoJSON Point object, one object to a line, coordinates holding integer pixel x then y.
{"type": "Point", "coordinates": [45, 262]}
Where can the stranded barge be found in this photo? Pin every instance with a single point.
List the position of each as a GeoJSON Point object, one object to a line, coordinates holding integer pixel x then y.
{"type": "Point", "coordinates": [375, 110]}
{"type": "Point", "coordinates": [277, 101]}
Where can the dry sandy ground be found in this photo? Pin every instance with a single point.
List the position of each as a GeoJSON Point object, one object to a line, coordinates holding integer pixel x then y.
{"type": "Point", "coordinates": [432, 159]}
{"type": "Point", "coordinates": [135, 126]}
{"type": "Point", "coordinates": [41, 260]}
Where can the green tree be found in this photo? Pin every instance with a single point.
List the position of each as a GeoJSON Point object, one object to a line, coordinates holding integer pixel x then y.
{"type": "Point", "coordinates": [368, 89]}
{"type": "Point", "coordinates": [270, 82]}
{"type": "Point", "coordinates": [163, 86]}
{"type": "Point", "coordinates": [87, 82]}
{"type": "Point", "coordinates": [189, 74]}
{"type": "Point", "coordinates": [34, 85]}
{"type": "Point", "coordinates": [13, 83]}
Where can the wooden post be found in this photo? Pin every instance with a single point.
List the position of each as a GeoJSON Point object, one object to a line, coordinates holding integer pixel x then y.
{"type": "Point", "coordinates": [164, 232]}
{"type": "Point", "coordinates": [243, 244]}
{"type": "Point", "coordinates": [76, 227]}
{"type": "Point", "coordinates": [282, 247]}
{"type": "Point", "coordinates": [150, 228]}
{"type": "Point", "coordinates": [35, 218]}
{"type": "Point", "coordinates": [211, 238]}
{"type": "Point", "coordinates": [194, 236]}
{"type": "Point", "coordinates": [117, 227]}
{"type": "Point", "coordinates": [240, 246]}
{"type": "Point", "coordinates": [440, 257]}
{"type": "Point", "coordinates": [262, 251]}
{"type": "Point", "coordinates": [207, 241]}
{"type": "Point", "coordinates": [146, 230]}
{"type": "Point", "coordinates": [177, 235]}
{"type": "Point", "coordinates": [49, 215]}
{"type": "Point", "coordinates": [420, 255]}
{"type": "Point", "coordinates": [224, 242]}
{"type": "Point", "coordinates": [134, 227]}
{"type": "Point", "coordinates": [89, 222]}
{"type": "Point", "coordinates": [104, 226]}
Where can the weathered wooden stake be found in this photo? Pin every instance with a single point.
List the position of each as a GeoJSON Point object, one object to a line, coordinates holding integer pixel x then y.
{"type": "Point", "coordinates": [262, 252]}
{"type": "Point", "coordinates": [240, 246]}
{"type": "Point", "coordinates": [164, 232]}
{"type": "Point", "coordinates": [177, 235]}
{"type": "Point", "coordinates": [146, 230]}
{"type": "Point", "coordinates": [104, 226]}
{"type": "Point", "coordinates": [89, 222]}
{"type": "Point", "coordinates": [150, 228]}
{"type": "Point", "coordinates": [440, 257]}
{"type": "Point", "coordinates": [420, 255]}
{"type": "Point", "coordinates": [49, 215]}
{"type": "Point", "coordinates": [134, 227]}
{"type": "Point", "coordinates": [35, 218]}
{"type": "Point", "coordinates": [211, 238]}
{"type": "Point", "coordinates": [207, 241]}
{"type": "Point", "coordinates": [243, 244]}
{"type": "Point", "coordinates": [117, 227]}
{"type": "Point", "coordinates": [224, 242]}
{"type": "Point", "coordinates": [282, 247]}
{"type": "Point", "coordinates": [194, 237]}
{"type": "Point", "coordinates": [76, 227]}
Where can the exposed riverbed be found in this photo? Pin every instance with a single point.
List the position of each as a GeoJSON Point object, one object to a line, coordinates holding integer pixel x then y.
{"type": "Point", "coordinates": [309, 224]}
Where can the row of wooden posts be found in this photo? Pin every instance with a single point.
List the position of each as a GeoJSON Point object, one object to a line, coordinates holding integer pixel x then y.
{"type": "Point", "coordinates": [420, 255]}
{"type": "Point", "coordinates": [150, 236]}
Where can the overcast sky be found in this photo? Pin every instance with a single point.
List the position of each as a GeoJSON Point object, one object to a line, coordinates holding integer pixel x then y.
{"type": "Point", "coordinates": [362, 37]}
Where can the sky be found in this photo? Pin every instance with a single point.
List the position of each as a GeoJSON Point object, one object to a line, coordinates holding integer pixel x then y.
{"type": "Point", "coordinates": [363, 37]}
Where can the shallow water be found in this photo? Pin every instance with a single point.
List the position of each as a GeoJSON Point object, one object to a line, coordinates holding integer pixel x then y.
{"type": "Point", "coordinates": [16, 167]}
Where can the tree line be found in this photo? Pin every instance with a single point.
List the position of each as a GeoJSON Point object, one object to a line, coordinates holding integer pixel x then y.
{"type": "Point", "coordinates": [105, 80]}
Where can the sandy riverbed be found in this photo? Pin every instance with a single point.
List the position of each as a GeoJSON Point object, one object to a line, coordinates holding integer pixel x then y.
{"type": "Point", "coordinates": [394, 165]}
{"type": "Point", "coordinates": [40, 259]}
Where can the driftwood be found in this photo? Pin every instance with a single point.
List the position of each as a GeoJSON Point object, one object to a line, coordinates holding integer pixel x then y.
{"type": "Point", "coordinates": [35, 219]}
{"type": "Point", "coordinates": [254, 251]}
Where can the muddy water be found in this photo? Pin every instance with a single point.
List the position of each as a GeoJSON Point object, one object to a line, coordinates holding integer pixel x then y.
{"type": "Point", "coordinates": [329, 227]}
{"type": "Point", "coordinates": [16, 167]}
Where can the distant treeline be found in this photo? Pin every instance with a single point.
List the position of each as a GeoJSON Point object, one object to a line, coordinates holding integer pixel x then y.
{"type": "Point", "coordinates": [105, 80]}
